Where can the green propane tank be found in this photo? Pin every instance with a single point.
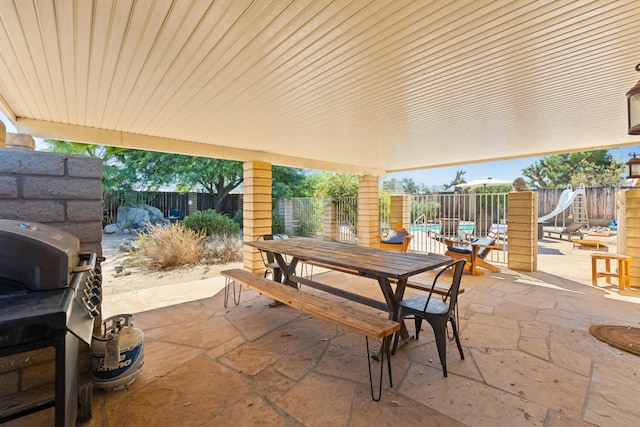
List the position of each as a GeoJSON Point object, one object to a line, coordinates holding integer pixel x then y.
{"type": "Point", "coordinates": [117, 356]}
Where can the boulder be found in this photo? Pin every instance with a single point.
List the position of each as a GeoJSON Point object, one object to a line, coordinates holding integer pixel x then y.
{"type": "Point", "coordinates": [111, 229]}
{"type": "Point", "coordinates": [137, 216]}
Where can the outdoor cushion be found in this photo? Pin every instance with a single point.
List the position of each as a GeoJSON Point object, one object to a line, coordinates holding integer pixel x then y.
{"type": "Point", "coordinates": [395, 237]}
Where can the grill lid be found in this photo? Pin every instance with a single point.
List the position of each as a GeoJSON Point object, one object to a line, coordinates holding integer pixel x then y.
{"type": "Point", "coordinates": [38, 256]}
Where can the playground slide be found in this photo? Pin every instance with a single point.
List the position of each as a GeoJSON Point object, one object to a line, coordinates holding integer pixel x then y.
{"type": "Point", "coordinates": [566, 200]}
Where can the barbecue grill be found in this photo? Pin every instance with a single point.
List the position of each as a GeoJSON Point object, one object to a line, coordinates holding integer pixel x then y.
{"type": "Point", "coordinates": [49, 295]}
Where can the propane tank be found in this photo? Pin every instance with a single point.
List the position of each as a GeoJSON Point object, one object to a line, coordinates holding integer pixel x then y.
{"type": "Point", "coordinates": [117, 356]}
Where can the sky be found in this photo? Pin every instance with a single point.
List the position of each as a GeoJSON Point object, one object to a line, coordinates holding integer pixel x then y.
{"type": "Point", "coordinates": [507, 170]}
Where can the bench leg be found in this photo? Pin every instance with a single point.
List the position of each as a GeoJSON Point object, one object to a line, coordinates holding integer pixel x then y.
{"type": "Point", "coordinates": [227, 283]}
{"type": "Point", "coordinates": [385, 351]}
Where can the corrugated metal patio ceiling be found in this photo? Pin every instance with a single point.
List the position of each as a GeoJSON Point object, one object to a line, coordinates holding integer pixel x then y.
{"type": "Point", "coordinates": [362, 86]}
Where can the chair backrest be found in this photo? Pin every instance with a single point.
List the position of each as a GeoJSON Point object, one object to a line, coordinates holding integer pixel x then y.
{"type": "Point", "coordinates": [572, 228]}
{"type": "Point", "coordinates": [452, 294]}
{"type": "Point", "coordinates": [269, 256]}
{"type": "Point", "coordinates": [482, 252]}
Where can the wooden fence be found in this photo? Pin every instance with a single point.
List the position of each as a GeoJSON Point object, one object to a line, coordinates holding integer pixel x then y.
{"type": "Point", "coordinates": [168, 202]}
{"type": "Point", "coordinates": [601, 203]}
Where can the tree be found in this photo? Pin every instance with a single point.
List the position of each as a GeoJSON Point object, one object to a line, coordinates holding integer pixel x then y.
{"type": "Point", "coordinates": [126, 169]}
{"type": "Point", "coordinates": [334, 185]}
{"type": "Point", "coordinates": [459, 179]}
{"type": "Point", "coordinates": [592, 168]}
{"type": "Point", "coordinates": [114, 177]}
{"type": "Point", "coordinates": [217, 177]}
{"type": "Point", "coordinates": [290, 182]}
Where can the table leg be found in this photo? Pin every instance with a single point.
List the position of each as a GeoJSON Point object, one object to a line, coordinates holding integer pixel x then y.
{"type": "Point", "coordinates": [607, 264]}
{"type": "Point", "coordinates": [594, 276]}
{"type": "Point", "coordinates": [627, 273]}
{"type": "Point", "coordinates": [286, 270]}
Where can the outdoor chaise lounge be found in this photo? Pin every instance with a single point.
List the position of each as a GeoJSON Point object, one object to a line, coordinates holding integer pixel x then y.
{"type": "Point", "coordinates": [475, 253]}
{"type": "Point", "coordinates": [570, 231]}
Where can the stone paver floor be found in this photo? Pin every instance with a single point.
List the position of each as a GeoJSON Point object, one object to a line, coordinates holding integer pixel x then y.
{"type": "Point", "coordinates": [529, 361]}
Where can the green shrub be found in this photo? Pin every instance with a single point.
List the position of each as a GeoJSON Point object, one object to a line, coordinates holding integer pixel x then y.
{"type": "Point", "coordinates": [210, 223]}
{"type": "Point", "coordinates": [277, 225]}
{"type": "Point", "coordinates": [165, 247]}
{"type": "Point", "coordinates": [238, 217]}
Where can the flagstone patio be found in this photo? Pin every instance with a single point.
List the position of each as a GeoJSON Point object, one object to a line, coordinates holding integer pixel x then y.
{"type": "Point", "coordinates": [529, 361]}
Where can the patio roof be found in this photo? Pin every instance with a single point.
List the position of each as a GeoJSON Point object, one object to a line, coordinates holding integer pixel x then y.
{"type": "Point", "coordinates": [362, 87]}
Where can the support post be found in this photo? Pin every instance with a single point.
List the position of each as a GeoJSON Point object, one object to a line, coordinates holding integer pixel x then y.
{"type": "Point", "coordinates": [631, 234]}
{"type": "Point", "coordinates": [329, 227]}
{"type": "Point", "coordinates": [400, 210]}
{"type": "Point", "coordinates": [368, 210]}
{"type": "Point", "coordinates": [256, 207]}
{"type": "Point", "coordinates": [523, 231]}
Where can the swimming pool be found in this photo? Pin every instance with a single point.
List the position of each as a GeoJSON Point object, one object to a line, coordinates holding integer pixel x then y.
{"type": "Point", "coordinates": [438, 227]}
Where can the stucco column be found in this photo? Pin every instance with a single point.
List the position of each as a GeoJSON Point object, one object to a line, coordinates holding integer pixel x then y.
{"type": "Point", "coordinates": [286, 209]}
{"type": "Point", "coordinates": [400, 210]}
{"type": "Point", "coordinates": [523, 230]}
{"type": "Point", "coordinates": [368, 210]}
{"type": "Point", "coordinates": [631, 236]}
{"type": "Point", "coordinates": [256, 209]}
{"type": "Point", "coordinates": [329, 228]}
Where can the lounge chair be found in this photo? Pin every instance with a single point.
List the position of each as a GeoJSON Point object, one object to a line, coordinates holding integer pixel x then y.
{"type": "Point", "coordinates": [570, 231]}
{"type": "Point", "coordinates": [475, 253]}
{"type": "Point", "coordinates": [397, 238]}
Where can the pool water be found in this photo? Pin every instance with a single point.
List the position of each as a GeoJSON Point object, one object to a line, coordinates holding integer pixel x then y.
{"type": "Point", "coordinates": [437, 227]}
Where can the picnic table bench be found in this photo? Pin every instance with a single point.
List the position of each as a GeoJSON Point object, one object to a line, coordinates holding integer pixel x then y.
{"type": "Point", "coordinates": [353, 318]}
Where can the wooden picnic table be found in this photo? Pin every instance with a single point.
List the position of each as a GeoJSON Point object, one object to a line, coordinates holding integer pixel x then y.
{"type": "Point", "coordinates": [385, 266]}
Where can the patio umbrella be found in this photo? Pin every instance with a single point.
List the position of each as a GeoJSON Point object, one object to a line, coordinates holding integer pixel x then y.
{"type": "Point", "coordinates": [483, 182]}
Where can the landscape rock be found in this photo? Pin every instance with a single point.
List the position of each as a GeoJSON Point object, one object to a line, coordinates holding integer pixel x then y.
{"type": "Point", "coordinates": [137, 216]}
{"type": "Point", "coordinates": [128, 246]}
{"type": "Point", "coordinates": [111, 229]}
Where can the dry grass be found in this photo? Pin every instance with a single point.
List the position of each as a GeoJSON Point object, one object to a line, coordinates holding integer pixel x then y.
{"type": "Point", "coordinates": [166, 247]}
{"type": "Point", "coordinates": [223, 249]}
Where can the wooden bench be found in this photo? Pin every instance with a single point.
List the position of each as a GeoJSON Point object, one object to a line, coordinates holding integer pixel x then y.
{"type": "Point", "coordinates": [353, 318]}
{"type": "Point", "coordinates": [623, 273]}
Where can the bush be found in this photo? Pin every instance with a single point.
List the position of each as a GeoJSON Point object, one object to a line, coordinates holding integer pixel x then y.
{"type": "Point", "coordinates": [277, 225]}
{"type": "Point", "coordinates": [210, 223]}
{"type": "Point", "coordinates": [223, 249]}
{"type": "Point", "coordinates": [165, 247]}
{"type": "Point", "coordinates": [238, 218]}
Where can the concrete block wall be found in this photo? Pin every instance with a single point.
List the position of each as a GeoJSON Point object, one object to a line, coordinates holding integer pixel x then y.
{"type": "Point", "coordinates": [63, 191]}
{"type": "Point", "coordinates": [60, 190]}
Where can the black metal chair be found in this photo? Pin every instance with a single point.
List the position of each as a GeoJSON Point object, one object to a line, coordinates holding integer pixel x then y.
{"type": "Point", "coordinates": [271, 267]}
{"type": "Point", "coordinates": [438, 312]}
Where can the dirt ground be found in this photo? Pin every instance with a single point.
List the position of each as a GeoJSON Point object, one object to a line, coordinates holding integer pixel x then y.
{"type": "Point", "coordinates": [136, 278]}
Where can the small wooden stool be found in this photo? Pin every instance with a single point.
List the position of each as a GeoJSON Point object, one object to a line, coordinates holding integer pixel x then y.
{"type": "Point", "coordinates": [624, 269]}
